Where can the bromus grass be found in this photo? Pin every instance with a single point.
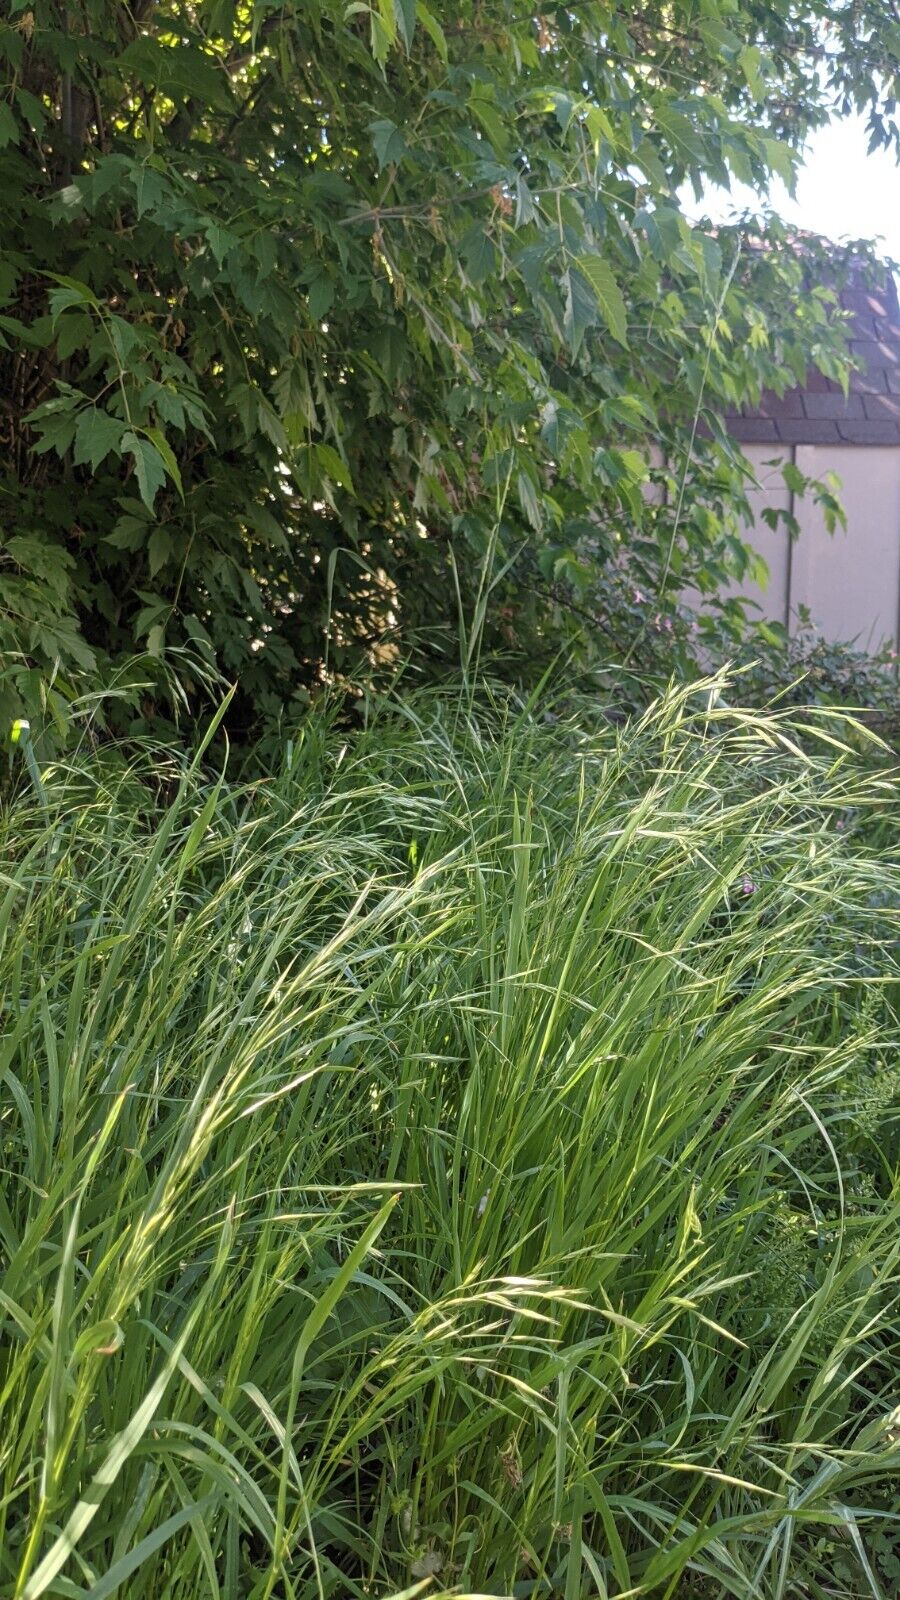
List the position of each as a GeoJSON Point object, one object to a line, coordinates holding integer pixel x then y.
{"type": "Point", "coordinates": [465, 1160]}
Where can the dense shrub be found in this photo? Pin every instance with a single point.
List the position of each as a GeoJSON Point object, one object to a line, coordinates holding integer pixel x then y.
{"type": "Point", "coordinates": [313, 317]}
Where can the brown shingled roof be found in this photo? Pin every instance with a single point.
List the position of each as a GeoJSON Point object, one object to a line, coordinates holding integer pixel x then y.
{"type": "Point", "coordinates": [819, 413]}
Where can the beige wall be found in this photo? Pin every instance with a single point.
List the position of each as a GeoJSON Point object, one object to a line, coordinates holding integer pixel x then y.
{"type": "Point", "coordinates": [850, 580]}
{"type": "Point", "coordinates": [772, 544]}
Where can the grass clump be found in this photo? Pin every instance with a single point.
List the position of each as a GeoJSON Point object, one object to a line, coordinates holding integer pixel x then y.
{"type": "Point", "coordinates": [468, 1155]}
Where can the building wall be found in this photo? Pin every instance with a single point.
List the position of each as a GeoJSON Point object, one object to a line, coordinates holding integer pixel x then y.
{"type": "Point", "coordinates": [850, 580]}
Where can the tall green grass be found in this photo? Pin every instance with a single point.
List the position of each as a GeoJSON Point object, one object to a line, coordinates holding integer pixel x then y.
{"type": "Point", "coordinates": [468, 1154]}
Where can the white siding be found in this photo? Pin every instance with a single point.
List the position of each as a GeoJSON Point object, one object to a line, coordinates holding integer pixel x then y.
{"type": "Point", "coordinates": [849, 580]}
{"type": "Point", "coordinates": [772, 544]}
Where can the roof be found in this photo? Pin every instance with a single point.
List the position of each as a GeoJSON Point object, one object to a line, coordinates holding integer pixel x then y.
{"type": "Point", "coordinates": [819, 413]}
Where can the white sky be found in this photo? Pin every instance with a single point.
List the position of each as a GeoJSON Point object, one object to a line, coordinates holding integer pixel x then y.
{"type": "Point", "coordinates": [842, 191]}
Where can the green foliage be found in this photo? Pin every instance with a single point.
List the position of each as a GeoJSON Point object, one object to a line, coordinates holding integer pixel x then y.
{"type": "Point", "coordinates": [470, 1152]}
{"type": "Point", "coordinates": [807, 669]}
{"type": "Point", "coordinates": [305, 308]}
